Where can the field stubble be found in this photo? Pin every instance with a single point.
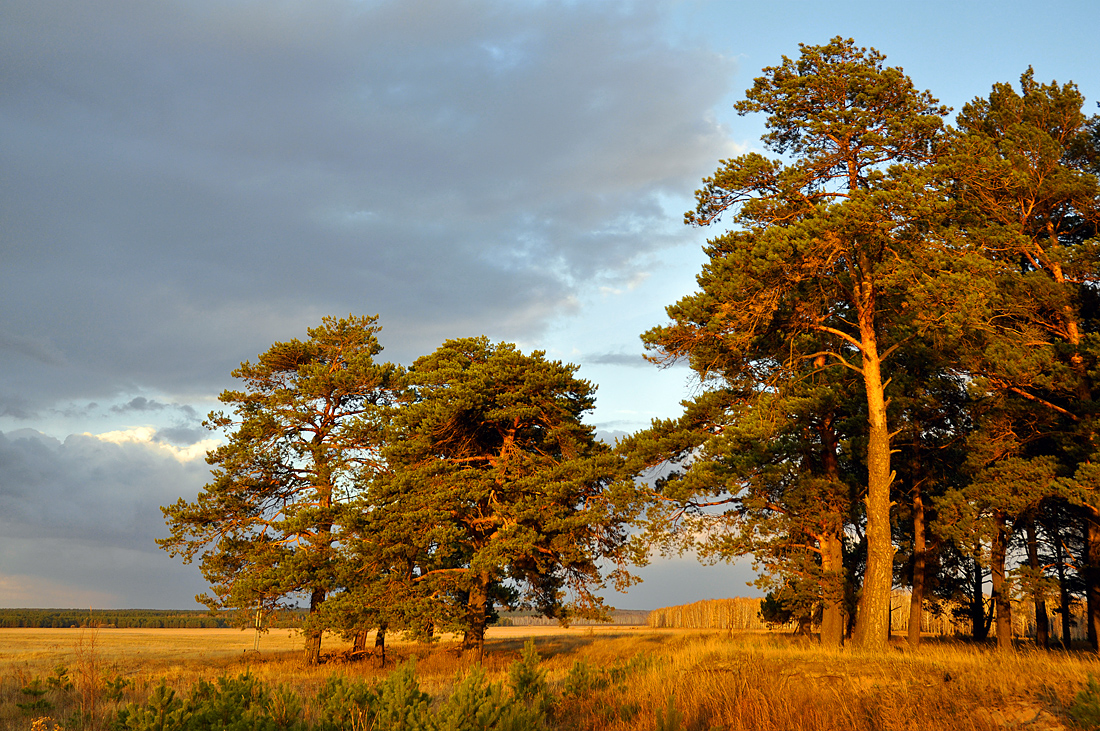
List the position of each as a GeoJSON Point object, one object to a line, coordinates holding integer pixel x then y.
{"type": "Point", "coordinates": [602, 678]}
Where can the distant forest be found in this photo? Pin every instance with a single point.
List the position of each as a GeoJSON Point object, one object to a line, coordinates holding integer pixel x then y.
{"type": "Point", "coordinates": [134, 618]}
{"type": "Point", "coordinates": [202, 619]}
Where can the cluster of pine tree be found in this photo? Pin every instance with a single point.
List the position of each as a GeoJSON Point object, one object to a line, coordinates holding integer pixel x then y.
{"type": "Point", "coordinates": [415, 499]}
{"type": "Point", "coordinates": [899, 346]}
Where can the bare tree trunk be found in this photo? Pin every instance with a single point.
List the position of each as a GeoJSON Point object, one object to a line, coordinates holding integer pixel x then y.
{"type": "Point", "coordinates": [1001, 600]}
{"type": "Point", "coordinates": [1042, 621]}
{"type": "Point", "coordinates": [359, 646]}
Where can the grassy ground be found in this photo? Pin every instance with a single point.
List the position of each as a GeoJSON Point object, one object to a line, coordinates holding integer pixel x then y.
{"type": "Point", "coordinates": [605, 678]}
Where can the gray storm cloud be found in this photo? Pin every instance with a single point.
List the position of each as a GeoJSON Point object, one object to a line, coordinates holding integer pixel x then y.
{"type": "Point", "coordinates": [187, 182]}
{"type": "Point", "coordinates": [79, 519]}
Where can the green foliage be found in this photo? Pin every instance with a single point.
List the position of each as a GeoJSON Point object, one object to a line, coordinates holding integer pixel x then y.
{"type": "Point", "coordinates": [60, 680]}
{"type": "Point", "coordinates": [476, 705]}
{"type": "Point", "coordinates": [836, 266]}
{"type": "Point", "coordinates": [497, 493]}
{"type": "Point", "coordinates": [345, 705]}
{"type": "Point", "coordinates": [582, 679]}
{"type": "Point", "coordinates": [671, 719]}
{"type": "Point", "coordinates": [1085, 709]}
{"type": "Point", "coordinates": [114, 687]}
{"type": "Point", "coordinates": [162, 712]}
{"type": "Point", "coordinates": [285, 708]}
{"type": "Point", "coordinates": [302, 434]}
{"type": "Point", "coordinates": [402, 706]}
{"type": "Point", "coordinates": [528, 680]}
{"type": "Point", "coordinates": [144, 618]}
{"type": "Point", "coordinates": [34, 692]}
{"type": "Point", "coordinates": [232, 704]}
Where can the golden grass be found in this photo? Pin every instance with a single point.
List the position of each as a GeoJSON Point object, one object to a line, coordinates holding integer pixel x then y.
{"type": "Point", "coordinates": [727, 681]}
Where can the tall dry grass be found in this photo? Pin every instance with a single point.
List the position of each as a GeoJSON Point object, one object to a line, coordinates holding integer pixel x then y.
{"type": "Point", "coordinates": [607, 678]}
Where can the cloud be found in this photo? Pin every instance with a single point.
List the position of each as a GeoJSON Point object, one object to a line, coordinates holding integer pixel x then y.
{"type": "Point", "coordinates": [35, 591]}
{"type": "Point", "coordinates": [139, 403]}
{"type": "Point", "coordinates": [634, 360]}
{"type": "Point", "coordinates": [188, 182]}
{"type": "Point", "coordinates": [84, 513]}
{"type": "Point", "coordinates": [151, 438]}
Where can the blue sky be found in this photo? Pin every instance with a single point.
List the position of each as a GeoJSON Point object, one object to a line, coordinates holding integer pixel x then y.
{"type": "Point", "coordinates": [185, 183]}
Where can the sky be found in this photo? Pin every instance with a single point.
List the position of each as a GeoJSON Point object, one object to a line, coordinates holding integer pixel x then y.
{"type": "Point", "coordinates": [185, 182]}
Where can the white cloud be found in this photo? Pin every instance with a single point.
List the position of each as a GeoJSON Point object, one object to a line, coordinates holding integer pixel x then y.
{"type": "Point", "coordinates": [146, 436]}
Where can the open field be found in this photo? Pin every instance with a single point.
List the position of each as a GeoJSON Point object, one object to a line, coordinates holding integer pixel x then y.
{"type": "Point", "coordinates": [599, 678]}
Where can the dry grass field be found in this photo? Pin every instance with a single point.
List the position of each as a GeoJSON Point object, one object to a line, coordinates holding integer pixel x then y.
{"type": "Point", "coordinates": [600, 678]}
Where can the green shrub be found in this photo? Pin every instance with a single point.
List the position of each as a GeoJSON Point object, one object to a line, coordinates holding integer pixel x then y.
{"type": "Point", "coordinates": [402, 706]}
{"type": "Point", "coordinates": [60, 679]}
{"type": "Point", "coordinates": [476, 705]}
{"type": "Point", "coordinates": [36, 703]}
{"type": "Point", "coordinates": [162, 712]}
{"type": "Point", "coordinates": [113, 687]}
{"type": "Point", "coordinates": [671, 719]}
{"type": "Point", "coordinates": [583, 679]}
{"type": "Point", "coordinates": [234, 704]}
{"type": "Point", "coordinates": [345, 705]}
{"type": "Point", "coordinates": [1085, 710]}
{"type": "Point", "coordinates": [527, 678]}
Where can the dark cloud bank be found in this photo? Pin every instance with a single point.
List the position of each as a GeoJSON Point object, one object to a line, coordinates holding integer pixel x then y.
{"type": "Point", "coordinates": [187, 182]}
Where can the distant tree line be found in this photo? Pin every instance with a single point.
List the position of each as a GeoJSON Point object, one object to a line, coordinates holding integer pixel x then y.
{"type": "Point", "coordinates": [618, 617]}
{"type": "Point", "coordinates": [898, 347]}
{"type": "Point", "coordinates": [121, 618]}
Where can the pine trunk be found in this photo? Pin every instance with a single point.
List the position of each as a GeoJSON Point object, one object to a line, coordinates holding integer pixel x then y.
{"type": "Point", "coordinates": [1042, 620]}
{"type": "Point", "coordinates": [359, 646]}
{"type": "Point", "coordinates": [873, 620]}
{"type": "Point", "coordinates": [380, 644]}
{"type": "Point", "coordinates": [313, 635]}
{"type": "Point", "coordinates": [916, 600]}
{"type": "Point", "coordinates": [979, 628]}
{"type": "Point", "coordinates": [477, 616]}
{"type": "Point", "coordinates": [1092, 574]}
{"type": "Point", "coordinates": [1001, 600]}
{"type": "Point", "coordinates": [832, 614]}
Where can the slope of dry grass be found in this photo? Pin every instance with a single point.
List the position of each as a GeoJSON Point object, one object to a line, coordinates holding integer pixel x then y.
{"type": "Point", "coordinates": [607, 678]}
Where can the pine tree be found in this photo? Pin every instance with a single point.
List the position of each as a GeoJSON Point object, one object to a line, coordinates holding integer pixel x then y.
{"type": "Point", "coordinates": [301, 434]}
{"type": "Point", "coordinates": [1024, 166]}
{"type": "Point", "coordinates": [838, 254]}
{"type": "Point", "coordinates": [498, 487]}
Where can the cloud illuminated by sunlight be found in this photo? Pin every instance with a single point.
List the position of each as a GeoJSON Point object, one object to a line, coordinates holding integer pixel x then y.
{"type": "Point", "coordinates": [145, 435]}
